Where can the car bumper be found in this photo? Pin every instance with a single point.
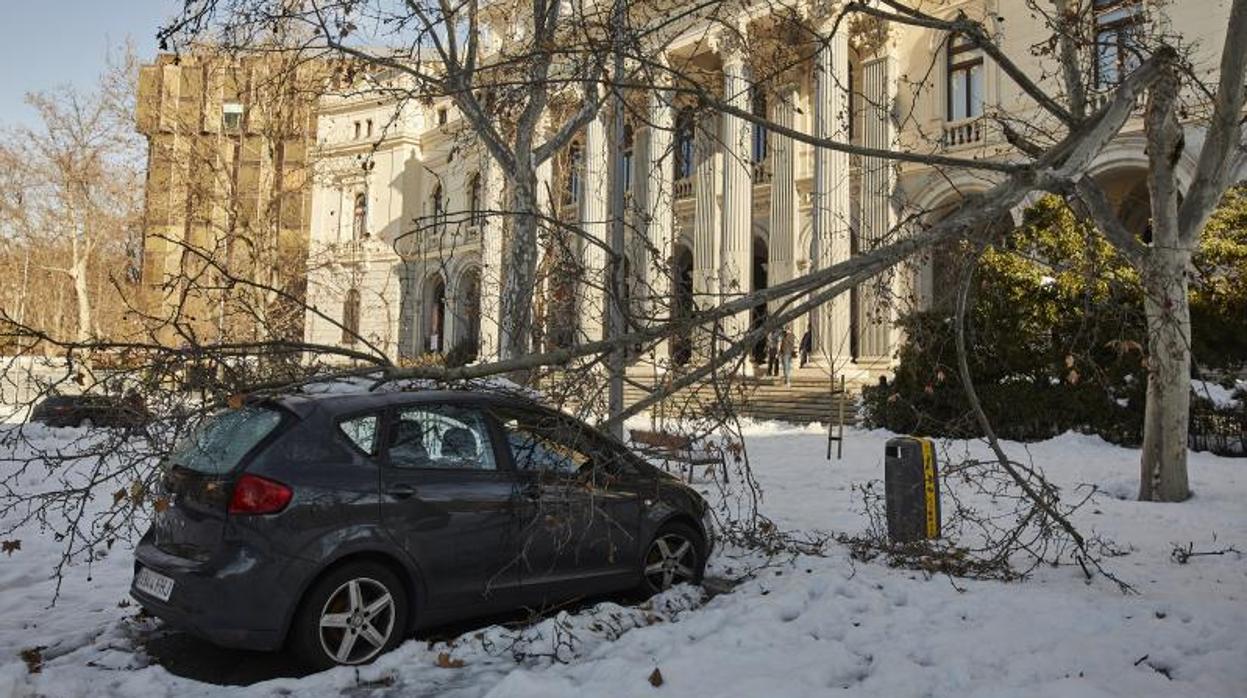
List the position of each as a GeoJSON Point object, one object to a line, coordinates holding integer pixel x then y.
{"type": "Point", "coordinates": [234, 599]}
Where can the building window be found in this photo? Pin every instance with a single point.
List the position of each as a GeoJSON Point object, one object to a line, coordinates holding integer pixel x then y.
{"type": "Point", "coordinates": [965, 79]}
{"type": "Point", "coordinates": [350, 317]}
{"type": "Point", "coordinates": [759, 149]}
{"type": "Point", "coordinates": [357, 130]}
{"type": "Point", "coordinates": [628, 141]}
{"type": "Point", "coordinates": [575, 166]}
{"type": "Point", "coordinates": [231, 117]}
{"type": "Point", "coordinates": [443, 114]}
{"type": "Point", "coordinates": [476, 215]}
{"type": "Point", "coordinates": [684, 144]}
{"type": "Point", "coordinates": [1117, 47]}
{"type": "Point", "coordinates": [359, 222]}
{"type": "Point", "coordinates": [439, 211]}
{"type": "Point", "coordinates": [368, 127]}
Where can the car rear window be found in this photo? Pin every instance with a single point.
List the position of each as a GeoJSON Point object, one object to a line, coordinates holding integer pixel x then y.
{"type": "Point", "coordinates": [221, 440]}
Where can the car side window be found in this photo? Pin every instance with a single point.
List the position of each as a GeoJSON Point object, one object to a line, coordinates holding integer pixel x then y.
{"type": "Point", "coordinates": [361, 430]}
{"type": "Point", "coordinates": [540, 445]}
{"type": "Point", "coordinates": [442, 437]}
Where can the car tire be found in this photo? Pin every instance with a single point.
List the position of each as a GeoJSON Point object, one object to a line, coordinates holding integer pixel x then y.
{"type": "Point", "coordinates": [338, 625]}
{"type": "Point", "coordinates": [675, 555]}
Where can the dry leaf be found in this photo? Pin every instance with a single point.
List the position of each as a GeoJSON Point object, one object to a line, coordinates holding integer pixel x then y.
{"type": "Point", "coordinates": [655, 679]}
{"type": "Point", "coordinates": [235, 401]}
{"type": "Point", "coordinates": [160, 504]}
{"type": "Point", "coordinates": [119, 495]}
{"type": "Point", "coordinates": [445, 661]}
{"type": "Point", "coordinates": [33, 656]}
{"type": "Point", "coordinates": [9, 547]}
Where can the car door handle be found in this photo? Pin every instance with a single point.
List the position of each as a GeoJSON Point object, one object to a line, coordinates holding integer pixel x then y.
{"type": "Point", "coordinates": [400, 490]}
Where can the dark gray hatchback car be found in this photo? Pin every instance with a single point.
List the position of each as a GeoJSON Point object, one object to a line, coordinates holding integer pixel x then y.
{"type": "Point", "coordinates": [338, 524]}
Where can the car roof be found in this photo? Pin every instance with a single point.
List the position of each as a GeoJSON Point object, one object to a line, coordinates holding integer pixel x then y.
{"type": "Point", "coordinates": [303, 404]}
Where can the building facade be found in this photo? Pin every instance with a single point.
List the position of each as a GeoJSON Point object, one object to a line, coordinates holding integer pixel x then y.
{"type": "Point", "coordinates": [227, 201]}
{"type": "Point", "coordinates": [406, 251]}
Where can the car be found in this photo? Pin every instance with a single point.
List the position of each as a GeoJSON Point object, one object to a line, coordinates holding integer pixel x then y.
{"type": "Point", "coordinates": [91, 410]}
{"type": "Point", "coordinates": [336, 525]}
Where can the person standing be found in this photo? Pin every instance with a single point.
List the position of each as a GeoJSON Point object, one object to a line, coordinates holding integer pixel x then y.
{"type": "Point", "coordinates": [772, 352]}
{"type": "Point", "coordinates": [807, 341]}
{"type": "Point", "coordinates": [787, 350]}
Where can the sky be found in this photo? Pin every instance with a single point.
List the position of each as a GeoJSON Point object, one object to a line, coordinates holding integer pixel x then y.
{"type": "Point", "coordinates": [46, 43]}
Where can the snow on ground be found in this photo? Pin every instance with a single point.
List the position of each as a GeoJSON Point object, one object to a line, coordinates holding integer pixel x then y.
{"type": "Point", "coordinates": [812, 626]}
{"type": "Point", "coordinates": [1220, 395]}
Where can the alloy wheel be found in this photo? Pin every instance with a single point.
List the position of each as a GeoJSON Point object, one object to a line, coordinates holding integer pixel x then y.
{"type": "Point", "coordinates": [671, 560]}
{"type": "Point", "coordinates": [357, 621]}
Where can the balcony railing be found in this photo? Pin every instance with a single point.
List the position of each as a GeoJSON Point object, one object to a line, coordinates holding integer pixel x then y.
{"type": "Point", "coordinates": [683, 188]}
{"type": "Point", "coordinates": [762, 172]}
{"type": "Point", "coordinates": [963, 132]}
{"type": "Point", "coordinates": [1099, 99]}
{"type": "Point", "coordinates": [448, 237]}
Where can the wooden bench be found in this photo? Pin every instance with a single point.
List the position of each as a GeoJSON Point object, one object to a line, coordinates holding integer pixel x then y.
{"type": "Point", "coordinates": [680, 450]}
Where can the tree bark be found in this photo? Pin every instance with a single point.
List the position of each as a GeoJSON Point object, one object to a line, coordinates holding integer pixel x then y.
{"type": "Point", "coordinates": [1163, 475]}
{"type": "Point", "coordinates": [78, 272]}
{"type": "Point", "coordinates": [516, 306]}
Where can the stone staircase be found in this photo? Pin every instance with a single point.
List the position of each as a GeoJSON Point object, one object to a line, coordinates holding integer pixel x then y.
{"type": "Point", "coordinates": [808, 400]}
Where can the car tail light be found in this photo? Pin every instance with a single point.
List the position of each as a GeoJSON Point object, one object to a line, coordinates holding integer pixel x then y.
{"type": "Point", "coordinates": [257, 495]}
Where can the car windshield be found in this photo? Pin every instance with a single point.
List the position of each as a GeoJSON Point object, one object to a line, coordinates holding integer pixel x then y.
{"type": "Point", "coordinates": [220, 441]}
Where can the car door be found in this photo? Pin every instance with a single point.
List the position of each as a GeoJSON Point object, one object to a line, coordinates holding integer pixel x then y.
{"type": "Point", "coordinates": [448, 497]}
{"type": "Point", "coordinates": [578, 522]}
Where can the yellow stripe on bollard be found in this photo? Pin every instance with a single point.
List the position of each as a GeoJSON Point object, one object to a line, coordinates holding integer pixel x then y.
{"type": "Point", "coordinates": [928, 483]}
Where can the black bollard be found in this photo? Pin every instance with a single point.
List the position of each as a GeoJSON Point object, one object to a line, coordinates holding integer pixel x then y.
{"type": "Point", "coordinates": [911, 489]}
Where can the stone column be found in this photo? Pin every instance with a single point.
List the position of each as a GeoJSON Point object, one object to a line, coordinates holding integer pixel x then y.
{"type": "Point", "coordinates": [830, 322]}
{"type": "Point", "coordinates": [706, 183]}
{"type": "Point", "coordinates": [491, 259]}
{"type": "Point", "coordinates": [875, 323]}
{"type": "Point", "coordinates": [593, 214]}
{"type": "Point", "coordinates": [656, 212]}
{"type": "Point", "coordinates": [736, 252]}
{"type": "Point", "coordinates": [782, 250]}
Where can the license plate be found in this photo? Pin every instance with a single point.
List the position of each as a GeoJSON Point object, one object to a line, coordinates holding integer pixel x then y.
{"type": "Point", "coordinates": [153, 583]}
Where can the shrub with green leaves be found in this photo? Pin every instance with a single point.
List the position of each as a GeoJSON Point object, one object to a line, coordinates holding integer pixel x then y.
{"type": "Point", "coordinates": [1055, 333]}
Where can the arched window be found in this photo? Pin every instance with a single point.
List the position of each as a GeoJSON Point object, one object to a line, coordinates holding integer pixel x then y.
{"type": "Point", "coordinates": [628, 141]}
{"type": "Point", "coordinates": [575, 169]}
{"type": "Point", "coordinates": [477, 216]}
{"type": "Point", "coordinates": [965, 79]}
{"type": "Point", "coordinates": [435, 317]}
{"type": "Point", "coordinates": [439, 211]}
{"type": "Point", "coordinates": [684, 144]}
{"type": "Point", "coordinates": [350, 317]}
{"type": "Point", "coordinates": [359, 222]}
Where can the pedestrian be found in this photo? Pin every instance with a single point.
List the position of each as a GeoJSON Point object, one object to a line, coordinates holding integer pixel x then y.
{"type": "Point", "coordinates": [772, 352]}
{"type": "Point", "coordinates": [786, 352]}
{"type": "Point", "coordinates": [806, 343]}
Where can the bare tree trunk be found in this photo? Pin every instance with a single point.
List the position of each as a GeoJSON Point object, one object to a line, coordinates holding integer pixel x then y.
{"type": "Point", "coordinates": [516, 306]}
{"type": "Point", "coordinates": [78, 272]}
{"type": "Point", "coordinates": [1163, 463]}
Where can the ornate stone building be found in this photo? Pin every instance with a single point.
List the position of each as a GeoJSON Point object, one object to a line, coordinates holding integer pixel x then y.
{"type": "Point", "coordinates": [407, 251]}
